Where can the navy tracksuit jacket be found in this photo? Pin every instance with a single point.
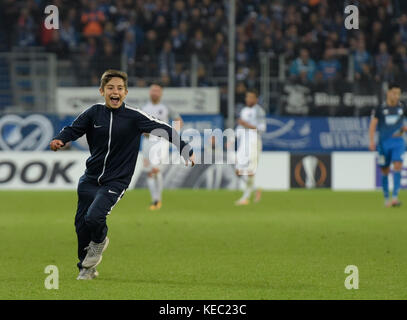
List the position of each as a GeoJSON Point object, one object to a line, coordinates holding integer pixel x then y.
{"type": "Point", "coordinates": [113, 136]}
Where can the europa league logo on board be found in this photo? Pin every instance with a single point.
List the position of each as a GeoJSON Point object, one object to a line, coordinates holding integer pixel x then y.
{"type": "Point", "coordinates": [310, 171]}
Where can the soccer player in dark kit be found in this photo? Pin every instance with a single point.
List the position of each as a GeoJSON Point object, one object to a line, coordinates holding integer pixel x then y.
{"type": "Point", "coordinates": [113, 131]}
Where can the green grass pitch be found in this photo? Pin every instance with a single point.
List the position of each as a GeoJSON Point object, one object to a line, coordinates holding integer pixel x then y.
{"type": "Point", "coordinates": [291, 245]}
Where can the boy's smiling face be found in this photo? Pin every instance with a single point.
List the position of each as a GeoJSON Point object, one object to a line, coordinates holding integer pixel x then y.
{"type": "Point", "coordinates": [114, 92]}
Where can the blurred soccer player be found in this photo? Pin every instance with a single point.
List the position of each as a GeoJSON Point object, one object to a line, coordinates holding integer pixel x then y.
{"type": "Point", "coordinates": [388, 118]}
{"type": "Point", "coordinates": [113, 131]}
{"type": "Point", "coordinates": [156, 149]}
{"type": "Point", "coordinates": [251, 123]}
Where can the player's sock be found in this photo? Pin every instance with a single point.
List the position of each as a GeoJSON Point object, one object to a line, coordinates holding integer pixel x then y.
{"type": "Point", "coordinates": [385, 186]}
{"type": "Point", "coordinates": [249, 188]}
{"type": "Point", "coordinates": [243, 182]}
{"type": "Point", "coordinates": [396, 187]}
{"type": "Point", "coordinates": [159, 185]}
{"type": "Point", "coordinates": [151, 186]}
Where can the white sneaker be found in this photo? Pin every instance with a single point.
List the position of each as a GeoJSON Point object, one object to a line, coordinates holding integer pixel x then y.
{"type": "Point", "coordinates": [87, 274]}
{"type": "Point", "coordinates": [94, 255]}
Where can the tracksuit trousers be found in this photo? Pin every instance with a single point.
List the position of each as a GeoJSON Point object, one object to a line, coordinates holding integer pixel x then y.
{"type": "Point", "coordinates": [94, 204]}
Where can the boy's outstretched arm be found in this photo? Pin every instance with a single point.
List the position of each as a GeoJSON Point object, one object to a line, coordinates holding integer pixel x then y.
{"type": "Point", "coordinates": [151, 125]}
{"type": "Point", "coordinates": [74, 131]}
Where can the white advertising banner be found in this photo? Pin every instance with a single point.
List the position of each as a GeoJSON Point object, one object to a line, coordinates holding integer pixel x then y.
{"type": "Point", "coordinates": [41, 170]}
{"type": "Point", "coordinates": [61, 170]}
{"type": "Point", "coordinates": [354, 171]}
{"type": "Point", "coordinates": [73, 100]}
{"type": "Point", "coordinates": [47, 170]}
{"type": "Point", "coordinates": [273, 171]}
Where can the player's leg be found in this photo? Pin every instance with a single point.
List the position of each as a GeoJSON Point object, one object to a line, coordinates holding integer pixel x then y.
{"type": "Point", "coordinates": [251, 153]}
{"type": "Point", "coordinates": [257, 196]}
{"type": "Point", "coordinates": [86, 194]}
{"type": "Point", "coordinates": [95, 219]}
{"type": "Point", "coordinates": [243, 164]}
{"type": "Point", "coordinates": [244, 180]}
{"type": "Point", "coordinates": [384, 162]}
{"type": "Point", "coordinates": [147, 164]}
{"type": "Point", "coordinates": [385, 185]}
{"type": "Point", "coordinates": [150, 178]}
{"type": "Point", "coordinates": [154, 185]}
{"type": "Point", "coordinates": [151, 183]}
{"type": "Point", "coordinates": [249, 188]}
{"type": "Point", "coordinates": [163, 158]}
{"type": "Point", "coordinates": [397, 166]}
{"type": "Point", "coordinates": [154, 179]}
{"type": "Point", "coordinates": [397, 159]}
{"type": "Point", "coordinates": [159, 185]}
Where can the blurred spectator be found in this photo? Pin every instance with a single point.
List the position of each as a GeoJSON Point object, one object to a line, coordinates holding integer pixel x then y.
{"type": "Point", "coordinates": [167, 59]}
{"type": "Point", "coordinates": [26, 29]}
{"type": "Point", "coordinates": [150, 53]}
{"type": "Point", "coordinates": [130, 48]}
{"type": "Point", "coordinates": [161, 29]}
{"type": "Point", "coordinates": [69, 35]}
{"type": "Point", "coordinates": [382, 60]}
{"type": "Point", "coordinates": [329, 68]}
{"type": "Point", "coordinates": [289, 52]}
{"type": "Point", "coordinates": [108, 60]}
{"type": "Point", "coordinates": [242, 58]}
{"type": "Point", "coordinates": [219, 56]}
{"type": "Point", "coordinates": [401, 62]}
{"type": "Point", "coordinates": [199, 46]}
{"type": "Point", "coordinates": [219, 20]}
{"type": "Point", "coordinates": [361, 59]}
{"type": "Point", "coordinates": [57, 46]}
{"type": "Point", "coordinates": [240, 96]}
{"type": "Point", "coordinates": [267, 47]}
{"type": "Point", "coordinates": [178, 14]}
{"type": "Point", "coordinates": [91, 48]}
{"type": "Point", "coordinates": [302, 31]}
{"type": "Point", "coordinates": [242, 73]}
{"type": "Point", "coordinates": [109, 31]}
{"type": "Point", "coordinates": [165, 80]}
{"type": "Point", "coordinates": [376, 37]}
{"type": "Point", "coordinates": [250, 26]}
{"type": "Point", "coordinates": [92, 20]}
{"type": "Point", "coordinates": [251, 80]}
{"type": "Point", "coordinates": [390, 72]}
{"type": "Point", "coordinates": [194, 22]}
{"type": "Point", "coordinates": [202, 77]}
{"type": "Point", "coordinates": [180, 77]}
{"type": "Point", "coordinates": [403, 27]}
{"type": "Point", "coordinates": [179, 43]}
{"type": "Point", "coordinates": [303, 68]}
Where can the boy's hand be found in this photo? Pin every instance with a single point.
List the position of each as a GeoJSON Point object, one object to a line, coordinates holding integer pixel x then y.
{"type": "Point", "coordinates": [56, 144]}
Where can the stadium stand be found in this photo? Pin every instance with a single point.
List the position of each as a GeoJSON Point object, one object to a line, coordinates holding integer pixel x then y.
{"type": "Point", "coordinates": [184, 42]}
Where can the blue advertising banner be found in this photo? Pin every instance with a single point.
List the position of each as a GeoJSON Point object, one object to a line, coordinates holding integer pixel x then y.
{"type": "Point", "coordinates": [316, 134]}
{"type": "Point", "coordinates": [27, 132]}
{"type": "Point", "coordinates": [194, 127]}
{"type": "Point", "coordinates": [33, 132]}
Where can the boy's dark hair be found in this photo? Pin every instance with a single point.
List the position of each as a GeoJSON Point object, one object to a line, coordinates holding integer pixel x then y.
{"type": "Point", "coordinates": [394, 85]}
{"type": "Point", "coordinates": [111, 73]}
{"type": "Point", "coordinates": [254, 91]}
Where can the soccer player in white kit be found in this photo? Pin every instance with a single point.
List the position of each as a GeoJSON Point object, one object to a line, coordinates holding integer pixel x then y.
{"type": "Point", "coordinates": [251, 123]}
{"type": "Point", "coordinates": [156, 149]}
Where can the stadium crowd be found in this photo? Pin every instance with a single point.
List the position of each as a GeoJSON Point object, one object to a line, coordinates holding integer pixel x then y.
{"type": "Point", "coordinates": [156, 38]}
